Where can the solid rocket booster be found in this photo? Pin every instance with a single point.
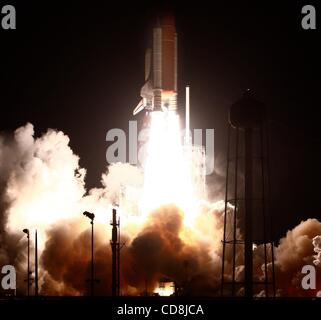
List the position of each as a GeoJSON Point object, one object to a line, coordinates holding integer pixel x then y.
{"type": "Point", "coordinates": [159, 93]}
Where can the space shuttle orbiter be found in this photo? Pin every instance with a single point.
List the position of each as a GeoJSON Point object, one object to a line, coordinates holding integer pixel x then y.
{"type": "Point", "coordinates": [159, 92]}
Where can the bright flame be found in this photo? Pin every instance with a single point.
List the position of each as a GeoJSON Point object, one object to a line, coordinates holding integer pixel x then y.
{"type": "Point", "coordinates": [167, 172]}
{"type": "Point", "coordinates": [165, 289]}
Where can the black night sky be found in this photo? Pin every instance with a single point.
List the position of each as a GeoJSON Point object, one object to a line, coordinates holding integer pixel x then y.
{"type": "Point", "coordinates": [79, 66]}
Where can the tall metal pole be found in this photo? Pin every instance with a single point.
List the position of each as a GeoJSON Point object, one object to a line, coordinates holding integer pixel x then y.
{"type": "Point", "coordinates": [187, 117]}
{"type": "Point", "coordinates": [235, 211]}
{"type": "Point", "coordinates": [26, 231]}
{"type": "Point", "coordinates": [36, 265]}
{"type": "Point", "coordinates": [225, 209]}
{"type": "Point", "coordinates": [91, 216]}
{"type": "Point", "coordinates": [92, 258]}
{"type": "Point", "coordinates": [248, 215]}
{"type": "Point", "coordinates": [28, 275]}
{"type": "Point", "coordinates": [118, 260]}
{"type": "Point", "coordinates": [266, 275]}
{"type": "Point", "coordinates": [113, 243]}
{"type": "Point", "coordinates": [270, 216]}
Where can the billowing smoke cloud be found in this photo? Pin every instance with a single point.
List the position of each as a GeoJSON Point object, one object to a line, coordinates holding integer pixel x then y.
{"type": "Point", "coordinates": [41, 183]}
{"type": "Point", "coordinates": [45, 183]}
{"type": "Point", "coordinates": [155, 252]}
{"type": "Point", "coordinates": [159, 252]}
{"type": "Point", "coordinates": [294, 251]}
{"type": "Point", "coordinates": [118, 176]}
{"type": "Point", "coordinates": [66, 260]}
{"type": "Point", "coordinates": [42, 186]}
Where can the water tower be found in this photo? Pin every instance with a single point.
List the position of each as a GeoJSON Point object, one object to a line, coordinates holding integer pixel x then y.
{"type": "Point", "coordinates": [247, 222]}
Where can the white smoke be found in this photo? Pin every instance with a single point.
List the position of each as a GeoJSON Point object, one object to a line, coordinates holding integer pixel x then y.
{"type": "Point", "coordinates": [44, 180]}
{"type": "Point", "coordinates": [45, 184]}
{"type": "Point", "coordinates": [42, 185]}
{"type": "Point", "coordinates": [118, 177]}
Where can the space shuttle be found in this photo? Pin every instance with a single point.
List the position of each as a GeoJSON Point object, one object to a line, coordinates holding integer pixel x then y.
{"type": "Point", "coordinates": [159, 93]}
